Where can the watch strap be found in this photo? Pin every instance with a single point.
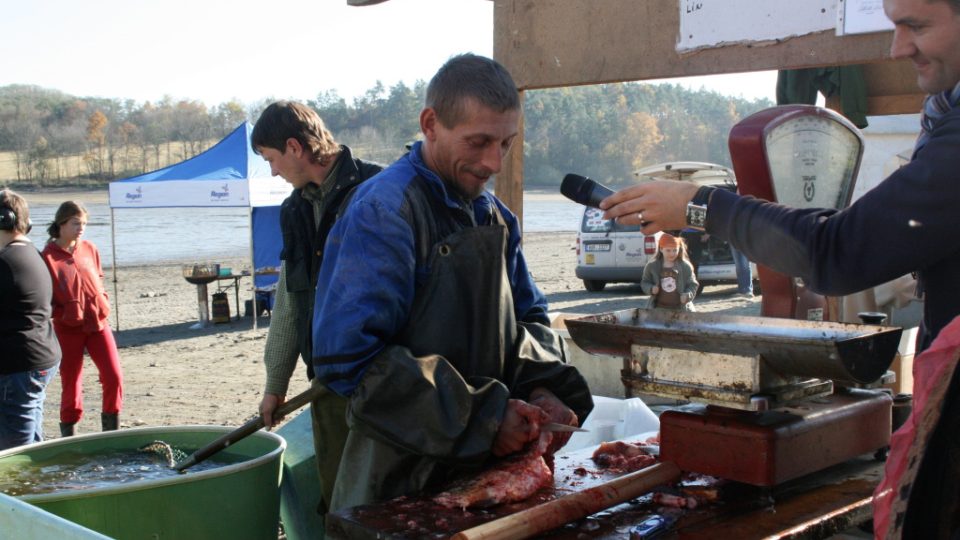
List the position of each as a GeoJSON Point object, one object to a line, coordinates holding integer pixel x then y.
{"type": "Point", "coordinates": [702, 196]}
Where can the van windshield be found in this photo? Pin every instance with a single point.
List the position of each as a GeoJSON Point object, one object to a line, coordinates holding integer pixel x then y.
{"type": "Point", "coordinates": [593, 222]}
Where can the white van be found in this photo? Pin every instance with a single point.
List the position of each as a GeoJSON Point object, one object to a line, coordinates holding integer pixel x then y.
{"type": "Point", "coordinates": [711, 257]}
{"type": "Point", "coordinates": [609, 252]}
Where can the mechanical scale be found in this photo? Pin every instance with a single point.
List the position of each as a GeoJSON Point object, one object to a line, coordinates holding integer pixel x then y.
{"type": "Point", "coordinates": [801, 156]}
{"type": "Point", "coordinates": [775, 397]}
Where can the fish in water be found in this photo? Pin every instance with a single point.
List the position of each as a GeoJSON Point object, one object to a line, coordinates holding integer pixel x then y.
{"type": "Point", "coordinates": [169, 454]}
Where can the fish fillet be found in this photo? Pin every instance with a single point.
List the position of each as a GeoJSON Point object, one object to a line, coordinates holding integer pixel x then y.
{"type": "Point", "coordinates": [511, 480]}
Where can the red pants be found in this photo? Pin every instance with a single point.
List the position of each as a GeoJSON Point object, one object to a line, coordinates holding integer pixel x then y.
{"type": "Point", "coordinates": [103, 351]}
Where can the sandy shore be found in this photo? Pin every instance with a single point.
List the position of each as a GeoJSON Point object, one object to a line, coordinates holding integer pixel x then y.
{"type": "Point", "coordinates": [176, 375]}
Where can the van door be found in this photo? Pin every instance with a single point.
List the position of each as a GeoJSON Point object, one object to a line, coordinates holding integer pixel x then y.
{"type": "Point", "coordinates": [632, 253]}
{"type": "Point", "coordinates": [596, 243]}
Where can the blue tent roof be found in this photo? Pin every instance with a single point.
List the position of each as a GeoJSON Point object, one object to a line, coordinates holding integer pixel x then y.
{"type": "Point", "coordinates": [227, 174]}
{"type": "Point", "coordinates": [231, 158]}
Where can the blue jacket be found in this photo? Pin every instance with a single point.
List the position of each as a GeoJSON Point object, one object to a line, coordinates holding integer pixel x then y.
{"type": "Point", "coordinates": [376, 257]}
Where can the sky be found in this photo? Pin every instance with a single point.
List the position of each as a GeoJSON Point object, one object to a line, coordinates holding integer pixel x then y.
{"type": "Point", "coordinates": [218, 50]}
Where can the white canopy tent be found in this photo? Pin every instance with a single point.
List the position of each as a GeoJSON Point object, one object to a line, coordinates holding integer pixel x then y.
{"type": "Point", "coordinates": [229, 174]}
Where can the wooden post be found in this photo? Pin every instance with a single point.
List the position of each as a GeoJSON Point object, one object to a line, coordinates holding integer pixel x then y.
{"type": "Point", "coordinates": [509, 183]}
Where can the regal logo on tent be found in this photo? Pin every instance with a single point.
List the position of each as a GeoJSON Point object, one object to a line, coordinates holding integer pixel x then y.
{"type": "Point", "coordinates": [135, 196]}
{"type": "Point", "coordinates": [220, 195]}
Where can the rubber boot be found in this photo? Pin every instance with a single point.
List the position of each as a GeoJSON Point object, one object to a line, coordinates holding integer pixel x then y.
{"type": "Point", "coordinates": [68, 429]}
{"type": "Point", "coordinates": [110, 422]}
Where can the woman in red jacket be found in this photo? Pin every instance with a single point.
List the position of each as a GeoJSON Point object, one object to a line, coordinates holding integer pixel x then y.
{"type": "Point", "coordinates": [80, 311]}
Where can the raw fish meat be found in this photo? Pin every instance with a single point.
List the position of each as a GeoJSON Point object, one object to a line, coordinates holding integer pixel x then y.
{"type": "Point", "coordinates": [510, 480]}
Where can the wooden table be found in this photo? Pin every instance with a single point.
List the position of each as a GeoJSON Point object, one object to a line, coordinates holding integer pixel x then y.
{"type": "Point", "coordinates": [815, 506]}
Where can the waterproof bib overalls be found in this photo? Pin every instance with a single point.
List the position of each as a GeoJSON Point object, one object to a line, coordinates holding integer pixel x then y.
{"type": "Point", "coordinates": [462, 313]}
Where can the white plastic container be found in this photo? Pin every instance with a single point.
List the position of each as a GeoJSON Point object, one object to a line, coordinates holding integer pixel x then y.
{"type": "Point", "coordinates": [613, 419]}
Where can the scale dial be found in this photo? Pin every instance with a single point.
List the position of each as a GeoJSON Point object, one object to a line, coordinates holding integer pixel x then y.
{"type": "Point", "coordinates": [813, 160]}
{"type": "Point", "coordinates": [804, 157]}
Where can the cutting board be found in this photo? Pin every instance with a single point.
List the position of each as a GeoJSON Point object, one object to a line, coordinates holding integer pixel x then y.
{"type": "Point", "coordinates": [419, 517]}
{"type": "Point", "coordinates": [820, 504]}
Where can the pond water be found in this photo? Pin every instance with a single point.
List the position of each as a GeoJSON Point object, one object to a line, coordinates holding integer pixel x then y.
{"type": "Point", "coordinates": [153, 235]}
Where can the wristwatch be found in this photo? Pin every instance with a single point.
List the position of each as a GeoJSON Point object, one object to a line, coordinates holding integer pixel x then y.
{"type": "Point", "coordinates": [697, 208]}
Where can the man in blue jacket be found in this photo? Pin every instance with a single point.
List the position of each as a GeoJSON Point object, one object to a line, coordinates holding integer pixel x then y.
{"type": "Point", "coordinates": [431, 323]}
{"type": "Point", "coordinates": [908, 223]}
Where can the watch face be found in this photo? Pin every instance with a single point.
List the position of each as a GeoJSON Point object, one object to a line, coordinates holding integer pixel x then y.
{"type": "Point", "coordinates": [696, 216]}
{"type": "Point", "coordinates": [813, 160]}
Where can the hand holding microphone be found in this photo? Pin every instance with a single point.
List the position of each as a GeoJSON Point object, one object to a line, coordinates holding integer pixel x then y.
{"type": "Point", "coordinates": [583, 190]}
{"type": "Point", "coordinates": [656, 205]}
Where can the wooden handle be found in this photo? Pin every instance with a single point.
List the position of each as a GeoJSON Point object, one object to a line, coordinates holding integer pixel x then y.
{"type": "Point", "coordinates": [574, 506]}
{"type": "Point", "coordinates": [247, 429]}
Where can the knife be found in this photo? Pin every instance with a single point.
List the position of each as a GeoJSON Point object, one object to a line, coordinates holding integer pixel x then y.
{"type": "Point", "coordinates": [554, 426]}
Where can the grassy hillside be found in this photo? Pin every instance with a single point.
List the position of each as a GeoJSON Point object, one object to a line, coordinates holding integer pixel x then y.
{"type": "Point", "coordinates": [70, 170]}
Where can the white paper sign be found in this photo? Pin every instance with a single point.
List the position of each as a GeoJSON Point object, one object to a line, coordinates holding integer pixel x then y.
{"type": "Point", "coordinates": [862, 17]}
{"type": "Point", "coordinates": [714, 23]}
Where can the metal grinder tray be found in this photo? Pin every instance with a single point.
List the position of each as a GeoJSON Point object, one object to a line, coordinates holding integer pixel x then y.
{"type": "Point", "coordinates": [856, 353]}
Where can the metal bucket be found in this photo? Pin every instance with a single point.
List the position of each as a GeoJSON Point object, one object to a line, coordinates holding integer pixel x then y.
{"type": "Point", "coordinates": [238, 501]}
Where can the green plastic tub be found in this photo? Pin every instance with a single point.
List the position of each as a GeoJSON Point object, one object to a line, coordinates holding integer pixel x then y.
{"type": "Point", "coordinates": [237, 501]}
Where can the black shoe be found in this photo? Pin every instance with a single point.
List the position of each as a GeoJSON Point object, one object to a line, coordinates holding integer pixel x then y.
{"type": "Point", "coordinates": [68, 430]}
{"type": "Point", "coordinates": [110, 422]}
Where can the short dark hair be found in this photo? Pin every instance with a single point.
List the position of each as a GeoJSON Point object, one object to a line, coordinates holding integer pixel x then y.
{"type": "Point", "coordinates": [954, 4]}
{"type": "Point", "coordinates": [470, 76]}
{"type": "Point", "coordinates": [18, 205]}
{"type": "Point", "coordinates": [65, 211]}
{"type": "Point", "coordinates": [284, 120]}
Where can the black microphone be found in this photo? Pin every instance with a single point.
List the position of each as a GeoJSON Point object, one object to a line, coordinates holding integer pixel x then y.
{"type": "Point", "coordinates": [583, 190]}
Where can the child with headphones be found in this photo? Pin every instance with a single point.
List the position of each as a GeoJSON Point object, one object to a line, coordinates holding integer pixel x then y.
{"type": "Point", "coordinates": [80, 311]}
{"type": "Point", "coordinates": [669, 278]}
{"type": "Point", "coordinates": [31, 353]}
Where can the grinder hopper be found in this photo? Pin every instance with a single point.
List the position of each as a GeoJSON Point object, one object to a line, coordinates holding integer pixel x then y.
{"type": "Point", "coordinates": [850, 354]}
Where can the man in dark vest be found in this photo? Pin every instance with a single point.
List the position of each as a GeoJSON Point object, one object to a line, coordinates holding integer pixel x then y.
{"type": "Point", "coordinates": [293, 139]}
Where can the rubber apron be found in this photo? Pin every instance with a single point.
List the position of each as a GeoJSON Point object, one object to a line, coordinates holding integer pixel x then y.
{"type": "Point", "coordinates": [444, 368]}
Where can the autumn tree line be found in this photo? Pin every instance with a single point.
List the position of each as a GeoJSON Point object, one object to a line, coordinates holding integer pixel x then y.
{"type": "Point", "coordinates": [49, 138]}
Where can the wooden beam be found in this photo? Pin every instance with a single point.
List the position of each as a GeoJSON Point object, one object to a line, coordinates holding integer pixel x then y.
{"type": "Point", "coordinates": [891, 89]}
{"type": "Point", "coordinates": [508, 184]}
{"type": "Point", "coordinates": [551, 43]}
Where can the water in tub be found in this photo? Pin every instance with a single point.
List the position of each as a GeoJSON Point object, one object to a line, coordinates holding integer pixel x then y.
{"type": "Point", "coordinates": [71, 471]}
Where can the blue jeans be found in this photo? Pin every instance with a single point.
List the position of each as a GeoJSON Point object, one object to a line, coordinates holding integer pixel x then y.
{"type": "Point", "coordinates": [21, 406]}
{"type": "Point", "coordinates": [744, 274]}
